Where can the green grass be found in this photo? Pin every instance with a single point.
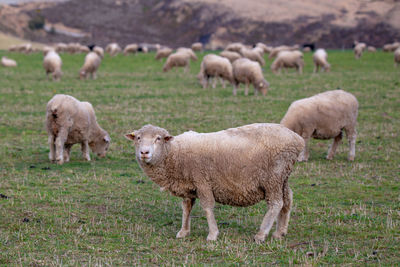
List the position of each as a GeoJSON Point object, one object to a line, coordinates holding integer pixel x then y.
{"type": "Point", "coordinates": [106, 212]}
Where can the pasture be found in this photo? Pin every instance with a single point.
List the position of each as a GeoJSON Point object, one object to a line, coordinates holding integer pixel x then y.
{"type": "Point", "coordinates": [106, 212]}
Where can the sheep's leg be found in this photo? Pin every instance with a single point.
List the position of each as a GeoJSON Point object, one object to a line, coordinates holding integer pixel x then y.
{"type": "Point", "coordinates": [351, 135]}
{"type": "Point", "coordinates": [246, 89]}
{"type": "Point", "coordinates": [223, 82]}
{"type": "Point", "coordinates": [207, 202]}
{"type": "Point", "coordinates": [67, 150]}
{"type": "Point", "coordinates": [187, 205]}
{"type": "Point", "coordinates": [85, 150]}
{"type": "Point", "coordinates": [255, 90]}
{"type": "Point", "coordinates": [52, 153]}
{"type": "Point", "coordinates": [284, 214]}
{"type": "Point", "coordinates": [305, 153]}
{"type": "Point", "coordinates": [214, 82]}
{"type": "Point", "coordinates": [315, 68]}
{"type": "Point", "coordinates": [333, 147]}
{"type": "Point", "coordinates": [94, 75]}
{"type": "Point", "coordinates": [235, 87]}
{"type": "Point", "coordinates": [60, 141]}
{"type": "Point", "coordinates": [274, 207]}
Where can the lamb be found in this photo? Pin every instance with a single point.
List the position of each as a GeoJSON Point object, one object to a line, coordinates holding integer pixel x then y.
{"type": "Point", "coordinates": [178, 59]}
{"type": "Point", "coordinates": [198, 47]}
{"type": "Point", "coordinates": [359, 49]}
{"type": "Point", "coordinates": [320, 60]}
{"type": "Point", "coordinates": [397, 57]}
{"type": "Point", "coordinates": [238, 166]}
{"type": "Point", "coordinates": [8, 62]}
{"type": "Point", "coordinates": [324, 116]}
{"type": "Point", "coordinates": [90, 66]}
{"type": "Point", "coordinates": [52, 64]}
{"type": "Point", "coordinates": [288, 59]}
{"type": "Point", "coordinates": [113, 49]}
{"type": "Point", "coordinates": [232, 56]}
{"type": "Point", "coordinates": [189, 51]}
{"type": "Point", "coordinates": [255, 55]}
{"type": "Point", "coordinates": [163, 53]}
{"type": "Point", "coordinates": [99, 51]}
{"type": "Point", "coordinates": [214, 66]}
{"type": "Point", "coordinates": [70, 121]}
{"type": "Point", "coordinates": [247, 71]}
{"type": "Point", "coordinates": [235, 47]}
{"type": "Point", "coordinates": [131, 48]}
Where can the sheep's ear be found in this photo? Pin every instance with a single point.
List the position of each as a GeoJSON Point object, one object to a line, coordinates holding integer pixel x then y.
{"type": "Point", "coordinates": [130, 136]}
{"type": "Point", "coordinates": [107, 139]}
{"type": "Point", "coordinates": [168, 138]}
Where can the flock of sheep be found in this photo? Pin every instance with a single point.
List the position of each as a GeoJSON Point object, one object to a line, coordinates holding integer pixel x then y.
{"type": "Point", "coordinates": [238, 166]}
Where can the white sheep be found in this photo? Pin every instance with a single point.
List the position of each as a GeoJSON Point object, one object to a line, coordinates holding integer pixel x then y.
{"type": "Point", "coordinates": [70, 121]}
{"type": "Point", "coordinates": [371, 49]}
{"type": "Point", "coordinates": [276, 50]}
{"type": "Point", "coordinates": [214, 66]}
{"type": "Point", "coordinates": [391, 47]}
{"type": "Point", "coordinates": [247, 71]}
{"type": "Point", "coordinates": [255, 54]}
{"type": "Point", "coordinates": [163, 52]}
{"type": "Point", "coordinates": [320, 59]}
{"type": "Point", "coordinates": [198, 47]}
{"type": "Point", "coordinates": [52, 64]}
{"type": "Point", "coordinates": [189, 51]}
{"type": "Point", "coordinates": [359, 49]}
{"type": "Point", "coordinates": [232, 56]}
{"type": "Point", "coordinates": [131, 48]}
{"type": "Point", "coordinates": [61, 47]}
{"type": "Point", "coordinates": [113, 49]}
{"type": "Point", "coordinates": [397, 57]}
{"type": "Point", "coordinates": [324, 116]}
{"type": "Point", "coordinates": [288, 59]}
{"type": "Point", "coordinates": [99, 51]}
{"type": "Point", "coordinates": [90, 66]}
{"type": "Point", "coordinates": [266, 49]}
{"type": "Point", "coordinates": [23, 48]}
{"type": "Point", "coordinates": [8, 62]}
{"type": "Point", "coordinates": [178, 59]}
{"type": "Point", "coordinates": [238, 166]}
{"type": "Point", "coordinates": [235, 47]}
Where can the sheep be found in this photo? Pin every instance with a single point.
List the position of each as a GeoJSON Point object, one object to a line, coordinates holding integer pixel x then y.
{"type": "Point", "coordinates": [265, 48]}
{"type": "Point", "coordinates": [397, 57]}
{"type": "Point", "coordinates": [324, 116]}
{"type": "Point", "coordinates": [320, 60]}
{"type": "Point", "coordinates": [391, 47]}
{"type": "Point", "coordinates": [255, 55]}
{"type": "Point", "coordinates": [90, 66]}
{"type": "Point", "coordinates": [238, 167]}
{"type": "Point", "coordinates": [178, 59]}
{"type": "Point", "coordinates": [247, 71]}
{"type": "Point", "coordinates": [276, 50]}
{"type": "Point", "coordinates": [70, 121]}
{"type": "Point", "coordinates": [358, 49]}
{"type": "Point", "coordinates": [288, 59]}
{"type": "Point", "coordinates": [371, 49]}
{"type": "Point", "coordinates": [163, 53]}
{"type": "Point", "coordinates": [61, 47]}
{"type": "Point", "coordinates": [52, 64]}
{"type": "Point", "coordinates": [99, 51]}
{"type": "Point", "coordinates": [235, 47]}
{"type": "Point", "coordinates": [232, 56]}
{"type": "Point", "coordinates": [8, 62]}
{"type": "Point", "coordinates": [131, 48]}
{"type": "Point", "coordinates": [198, 47]}
{"type": "Point", "coordinates": [23, 48]}
{"type": "Point", "coordinates": [143, 48]}
{"type": "Point", "coordinates": [113, 49]}
{"type": "Point", "coordinates": [189, 51]}
{"type": "Point", "coordinates": [214, 66]}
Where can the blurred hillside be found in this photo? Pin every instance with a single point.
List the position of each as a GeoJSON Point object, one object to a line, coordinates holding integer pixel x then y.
{"type": "Point", "coordinates": [331, 24]}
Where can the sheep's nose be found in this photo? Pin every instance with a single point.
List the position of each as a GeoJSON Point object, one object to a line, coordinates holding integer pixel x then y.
{"type": "Point", "coordinates": [144, 152]}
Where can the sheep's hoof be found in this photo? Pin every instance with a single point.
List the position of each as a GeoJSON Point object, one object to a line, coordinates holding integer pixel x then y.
{"type": "Point", "coordinates": [182, 233]}
{"type": "Point", "coordinates": [278, 235]}
{"type": "Point", "coordinates": [212, 237]}
{"type": "Point", "coordinates": [259, 239]}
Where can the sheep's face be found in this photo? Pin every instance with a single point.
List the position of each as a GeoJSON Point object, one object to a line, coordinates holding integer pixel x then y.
{"type": "Point", "coordinates": [101, 145]}
{"type": "Point", "coordinates": [150, 144]}
{"type": "Point", "coordinates": [263, 86]}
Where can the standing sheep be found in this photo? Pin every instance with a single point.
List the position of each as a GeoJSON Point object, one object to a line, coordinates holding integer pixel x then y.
{"type": "Point", "coordinates": [371, 49]}
{"type": "Point", "coordinates": [90, 66]}
{"type": "Point", "coordinates": [163, 53]}
{"type": "Point", "coordinates": [320, 59]}
{"type": "Point", "coordinates": [288, 59]}
{"type": "Point", "coordinates": [178, 59]}
{"type": "Point", "coordinates": [247, 71]}
{"type": "Point", "coordinates": [99, 51]}
{"type": "Point", "coordinates": [397, 57]}
{"type": "Point", "coordinates": [113, 49]}
{"type": "Point", "coordinates": [8, 62]}
{"type": "Point", "coordinates": [255, 54]}
{"type": "Point", "coordinates": [189, 51]}
{"type": "Point", "coordinates": [238, 166]}
{"type": "Point", "coordinates": [214, 66]}
{"type": "Point", "coordinates": [198, 47]}
{"type": "Point", "coordinates": [232, 56]}
{"type": "Point", "coordinates": [235, 47]}
{"type": "Point", "coordinates": [324, 116]}
{"type": "Point", "coordinates": [359, 49]}
{"type": "Point", "coordinates": [70, 121]}
{"type": "Point", "coordinates": [131, 48]}
{"type": "Point", "coordinates": [52, 64]}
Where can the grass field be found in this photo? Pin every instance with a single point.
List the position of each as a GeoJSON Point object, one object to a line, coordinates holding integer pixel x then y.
{"type": "Point", "coordinates": [106, 212]}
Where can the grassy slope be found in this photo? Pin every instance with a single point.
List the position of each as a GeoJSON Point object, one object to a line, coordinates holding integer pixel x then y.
{"type": "Point", "coordinates": [107, 212]}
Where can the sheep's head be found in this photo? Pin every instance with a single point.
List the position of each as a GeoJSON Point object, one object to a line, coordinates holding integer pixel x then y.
{"type": "Point", "coordinates": [263, 86]}
{"type": "Point", "coordinates": [100, 145]}
{"type": "Point", "coordinates": [151, 143]}
{"type": "Point", "coordinates": [82, 74]}
{"type": "Point", "coordinates": [57, 74]}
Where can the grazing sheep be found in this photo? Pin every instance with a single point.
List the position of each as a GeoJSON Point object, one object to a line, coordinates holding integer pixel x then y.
{"type": "Point", "coordinates": [189, 51]}
{"type": "Point", "coordinates": [143, 49]}
{"type": "Point", "coordinates": [391, 47]}
{"type": "Point", "coordinates": [214, 66]}
{"type": "Point", "coordinates": [276, 50]}
{"type": "Point", "coordinates": [8, 62]}
{"type": "Point", "coordinates": [232, 56]}
{"type": "Point", "coordinates": [397, 57]}
{"type": "Point", "coordinates": [238, 166]}
{"type": "Point", "coordinates": [23, 48]}
{"type": "Point", "coordinates": [324, 116]}
{"type": "Point", "coordinates": [359, 49]}
{"type": "Point", "coordinates": [163, 53]}
{"type": "Point", "coordinates": [52, 64]}
{"type": "Point", "coordinates": [320, 59]}
{"type": "Point", "coordinates": [247, 71]}
{"type": "Point", "coordinates": [61, 47]}
{"type": "Point", "coordinates": [113, 49]}
{"type": "Point", "coordinates": [371, 49]}
{"type": "Point", "coordinates": [255, 55]}
{"type": "Point", "coordinates": [178, 59]}
{"type": "Point", "coordinates": [90, 66]}
{"type": "Point", "coordinates": [99, 51]}
{"type": "Point", "coordinates": [235, 47]}
{"type": "Point", "coordinates": [266, 49]}
{"type": "Point", "coordinates": [306, 49]}
{"type": "Point", "coordinates": [288, 59]}
{"type": "Point", "coordinates": [131, 48]}
{"type": "Point", "coordinates": [198, 47]}
{"type": "Point", "coordinates": [70, 121]}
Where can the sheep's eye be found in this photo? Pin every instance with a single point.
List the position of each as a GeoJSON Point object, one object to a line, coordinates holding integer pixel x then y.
{"type": "Point", "coordinates": [138, 138]}
{"type": "Point", "coordinates": [158, 138]}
